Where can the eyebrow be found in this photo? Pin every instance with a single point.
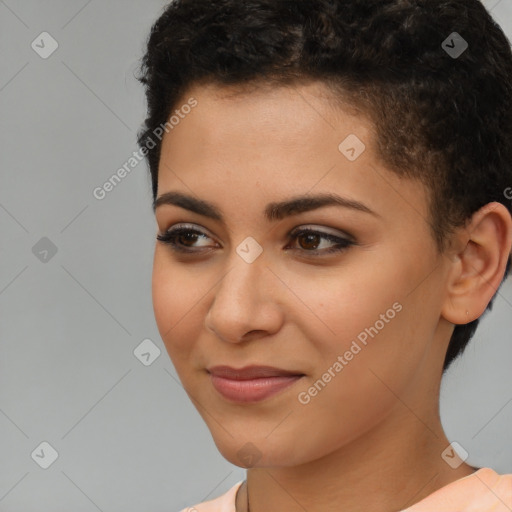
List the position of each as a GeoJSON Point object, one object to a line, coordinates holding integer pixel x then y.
{"type": "Point", "coordinates": [273, 211]}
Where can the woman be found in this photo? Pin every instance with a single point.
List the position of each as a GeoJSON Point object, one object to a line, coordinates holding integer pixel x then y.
{"type": "Point", "coordinates": [328, 181]}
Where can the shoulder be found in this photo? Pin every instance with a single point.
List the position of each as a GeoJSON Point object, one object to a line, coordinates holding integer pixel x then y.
{"type": "Point", "coordinates": [224, 503]}
{"type": "Point", "coordinates": [482, 491]}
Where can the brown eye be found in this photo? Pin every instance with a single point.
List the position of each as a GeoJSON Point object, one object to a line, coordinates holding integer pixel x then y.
{"type": "Point", "coordinates": [184, 239]}
{"type": "Point", "coordinates": [187, 240]}
{"type": "Point", "coordinates": [187, 237]}
{"type": "Point", "coordinates": [309, 240]}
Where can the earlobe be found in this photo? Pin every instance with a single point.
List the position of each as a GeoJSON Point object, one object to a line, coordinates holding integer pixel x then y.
{"type": "Point", "coordinates": [478, 269]}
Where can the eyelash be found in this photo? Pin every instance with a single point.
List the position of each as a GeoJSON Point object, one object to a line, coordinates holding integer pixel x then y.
{"type": "Point", "coordinates": [169, 238]}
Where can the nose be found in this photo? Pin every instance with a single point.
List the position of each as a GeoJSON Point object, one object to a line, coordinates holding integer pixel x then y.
{"type": "Point", "coordinates": [246, 303]}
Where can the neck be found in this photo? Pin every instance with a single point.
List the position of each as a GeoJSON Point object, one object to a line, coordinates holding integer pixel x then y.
{"type": "Point", "coordinates": [389, 477]}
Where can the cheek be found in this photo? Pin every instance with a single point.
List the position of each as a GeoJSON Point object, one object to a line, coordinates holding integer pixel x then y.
{"type": "Point", "coordinates": [349, 390]}
{"type": "Point", "coordinates": [368, 316]}
{"type": "Point", "coordinates": [176, 303]}
{"type": "Point", "coordinates": [164, 295]}
{"type": "Point", "coordinates": [345, 302]}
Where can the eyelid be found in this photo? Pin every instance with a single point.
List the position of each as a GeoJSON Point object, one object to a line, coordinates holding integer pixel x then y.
{"type": "Point", "coordinates": [322, 229]}
{"type": "Point", "coordinates": [188, 225]}
{"type": "Point", "coordinates": [341, 242]}
{"type": "Point", "coordinates": [294, 231]}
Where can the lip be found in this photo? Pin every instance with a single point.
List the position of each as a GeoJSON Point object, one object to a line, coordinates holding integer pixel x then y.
{"type": "Point", "coordinates": [250, 372]}
{"type": "Point", "coordinates": [251, 383]}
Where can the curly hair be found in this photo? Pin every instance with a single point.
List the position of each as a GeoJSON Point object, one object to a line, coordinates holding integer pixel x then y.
{"type": "Point", "coordinates": [444, 120]}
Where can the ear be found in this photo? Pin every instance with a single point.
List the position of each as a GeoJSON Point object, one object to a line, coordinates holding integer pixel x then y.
{"type": "Point", "coordinates": [478, 262]}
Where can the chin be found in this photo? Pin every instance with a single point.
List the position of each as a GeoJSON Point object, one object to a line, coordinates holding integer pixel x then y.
{"type": "Point", "coordinates": [260, 452]}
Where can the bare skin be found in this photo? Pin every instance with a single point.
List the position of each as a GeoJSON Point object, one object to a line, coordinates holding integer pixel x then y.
{"type": "Point", "coordinates": [372, 438]}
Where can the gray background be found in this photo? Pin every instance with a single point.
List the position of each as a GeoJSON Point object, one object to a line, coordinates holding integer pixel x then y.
{"type": "Point", "coordinates": [127, 436]}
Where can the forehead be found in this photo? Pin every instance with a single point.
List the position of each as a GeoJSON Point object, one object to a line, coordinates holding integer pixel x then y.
{"type": "Point", "coordinates": [279, 141]}
{"type": "Point", "coordinates": [279, 125]}
{"type": "Point", "coordinates": [288, 112]}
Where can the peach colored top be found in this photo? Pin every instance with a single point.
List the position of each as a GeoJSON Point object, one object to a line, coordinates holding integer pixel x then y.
{"type": "Point", "coordinates": [482, 491]}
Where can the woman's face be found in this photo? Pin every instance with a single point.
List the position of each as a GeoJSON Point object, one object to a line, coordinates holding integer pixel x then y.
{"type": "Point", "coordinates": [361, 325]}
